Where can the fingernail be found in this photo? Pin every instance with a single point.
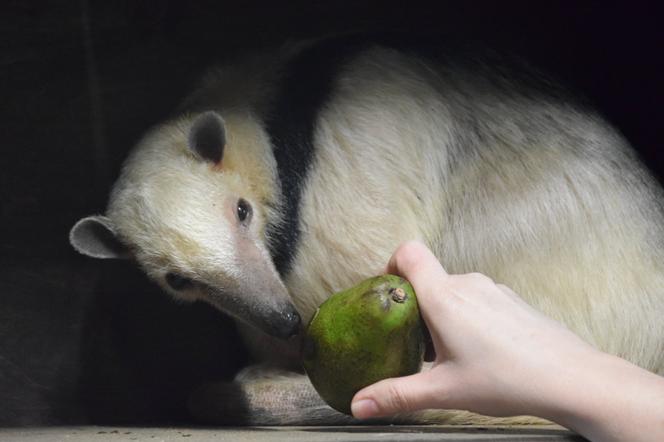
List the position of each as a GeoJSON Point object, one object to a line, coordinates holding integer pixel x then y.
{"type": "Point", "coordinates": [364, 408]}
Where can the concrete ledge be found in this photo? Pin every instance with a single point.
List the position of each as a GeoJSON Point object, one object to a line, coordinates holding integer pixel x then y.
{"type": "Point", "coordinates": [295, 434]}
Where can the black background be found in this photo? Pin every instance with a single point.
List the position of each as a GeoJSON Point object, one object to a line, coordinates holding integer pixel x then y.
{"type": "Point", "coordinates": [84, 340]}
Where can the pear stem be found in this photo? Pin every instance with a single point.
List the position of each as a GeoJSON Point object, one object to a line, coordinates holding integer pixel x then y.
{"type": "Point", "coordinates": [398, 294]}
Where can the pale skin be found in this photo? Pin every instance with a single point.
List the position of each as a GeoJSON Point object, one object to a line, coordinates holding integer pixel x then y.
{"type": "Point", "coordinates": [497, 356]}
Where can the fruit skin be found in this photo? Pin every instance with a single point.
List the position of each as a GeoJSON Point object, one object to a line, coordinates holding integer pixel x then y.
{"type": "Point", "coordinates": [362, 335]}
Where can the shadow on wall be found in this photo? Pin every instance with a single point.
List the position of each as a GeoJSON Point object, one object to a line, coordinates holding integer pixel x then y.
{"type": "Point", "coordinates": [142, 354]}
{"type": "Point", "coordinates": [114, 351]}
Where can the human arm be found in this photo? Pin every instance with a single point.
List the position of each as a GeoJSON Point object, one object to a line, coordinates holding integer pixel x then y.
{"type": "Point", "coordinates": [497, 356]}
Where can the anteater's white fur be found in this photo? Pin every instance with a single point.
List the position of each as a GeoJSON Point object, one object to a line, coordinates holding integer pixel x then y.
{"type": "Point", "coordinates": [575, 229]}
{"type": "Point", "coordinates": [549, 201]}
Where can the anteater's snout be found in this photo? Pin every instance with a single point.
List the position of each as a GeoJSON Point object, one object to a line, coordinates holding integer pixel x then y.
{"type": "Point", "coordinates": [288, 324]}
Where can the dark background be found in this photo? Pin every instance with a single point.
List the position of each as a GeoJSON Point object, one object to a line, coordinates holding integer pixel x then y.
{"type": "Point", "coordinates": [90, 341]}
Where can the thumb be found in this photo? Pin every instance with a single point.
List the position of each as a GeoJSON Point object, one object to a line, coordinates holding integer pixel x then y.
{"type": "Point", "coordinates": [396, 395]}
{"type": "Point", "coordinates": [415, 262]}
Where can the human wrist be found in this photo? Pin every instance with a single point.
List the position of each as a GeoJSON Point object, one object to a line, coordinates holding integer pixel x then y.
{"type": "Point", "coordinates": [573, 391]}
{"type": "Point", "coordinates": [607, 398]}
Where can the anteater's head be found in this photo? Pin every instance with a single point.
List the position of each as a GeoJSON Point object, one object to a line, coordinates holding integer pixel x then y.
{"type": "Point", "coordinates": [191, 206]}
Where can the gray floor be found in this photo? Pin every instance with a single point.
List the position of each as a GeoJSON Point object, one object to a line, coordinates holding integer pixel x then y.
{"type": "Point", "coordinates": [295, 434]}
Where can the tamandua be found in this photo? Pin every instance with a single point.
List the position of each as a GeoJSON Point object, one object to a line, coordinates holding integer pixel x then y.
{"type": "Point", "coordinates": [292, 174]}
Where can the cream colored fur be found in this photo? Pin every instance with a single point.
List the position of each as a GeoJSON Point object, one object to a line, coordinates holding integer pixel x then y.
{"type": "Point", "coordinates": [542, 196]}
{"type": "Point", "coordinates": [577, 233]}
{"type": "Point", "coordinates": [176, 212]}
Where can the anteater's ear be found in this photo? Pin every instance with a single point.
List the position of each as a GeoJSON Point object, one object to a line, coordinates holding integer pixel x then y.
{"type": "Point", "coordinates": [94, 236]}
{"type": "Point", "coordinates": [207, 136]}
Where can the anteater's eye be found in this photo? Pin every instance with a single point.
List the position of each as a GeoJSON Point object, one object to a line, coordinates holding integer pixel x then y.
{"type": "Point", "coordinates": [243, 211]}
{"type": "Point", "coordinates": [178, 282]}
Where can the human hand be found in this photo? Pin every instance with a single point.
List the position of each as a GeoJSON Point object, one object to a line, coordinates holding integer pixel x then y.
{"type": "Point", "coordinates": [495, 355]}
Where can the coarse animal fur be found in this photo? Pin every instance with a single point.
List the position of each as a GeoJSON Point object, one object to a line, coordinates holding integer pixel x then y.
{"type": "Point", "coordinates": [343, 150]}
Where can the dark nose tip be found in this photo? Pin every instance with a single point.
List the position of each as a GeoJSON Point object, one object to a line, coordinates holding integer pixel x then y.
{"type": "Point", "coordinates": [289, 325]}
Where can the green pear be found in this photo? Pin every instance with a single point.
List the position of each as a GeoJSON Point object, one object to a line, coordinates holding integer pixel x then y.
{"type": "Point", "coordinates": [359, 336]}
